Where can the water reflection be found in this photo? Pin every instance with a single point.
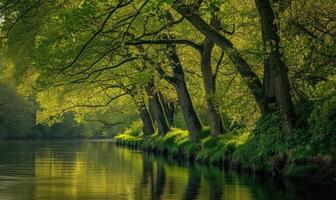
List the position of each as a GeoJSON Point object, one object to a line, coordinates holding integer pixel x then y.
{"type": "Point", "coordinates": [194, 183]}
{"type": "Point", "coordinates": [71, 170]}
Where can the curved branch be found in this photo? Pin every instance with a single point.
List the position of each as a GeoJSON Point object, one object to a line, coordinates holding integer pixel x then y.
{"type": "Point", "coordinates": [198, 47]}
{"type": "Point", "coordinates": [120, 5]}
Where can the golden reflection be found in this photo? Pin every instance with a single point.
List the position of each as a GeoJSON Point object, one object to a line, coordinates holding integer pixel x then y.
{"type": "Point", "coordinates": [73, 170]}
{"type": "Point", "coordinates": [95, 172]}
{"type": "Point", "coordinates": [102, 171]}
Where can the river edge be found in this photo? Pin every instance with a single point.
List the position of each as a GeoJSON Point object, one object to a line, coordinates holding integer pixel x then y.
{"type": "Point", "coordinates": [223, 164]}
{"type": "Point", "coordinates": [227, 164]}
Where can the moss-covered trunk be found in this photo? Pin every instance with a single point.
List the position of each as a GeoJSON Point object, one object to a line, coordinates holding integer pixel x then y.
{"type": "Point", "coordinates": [275, 65]}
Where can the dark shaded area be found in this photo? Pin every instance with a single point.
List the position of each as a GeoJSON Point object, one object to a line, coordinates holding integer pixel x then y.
{"type": "Point", "coordinates": [18, 119]}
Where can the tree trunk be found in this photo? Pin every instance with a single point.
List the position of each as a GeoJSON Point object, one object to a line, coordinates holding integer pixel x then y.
{"type": "Point", "coordinates": [193, 123]}
{"type": "Point", "coordinates": [277, 67]}
{"type": "Point", "coordinates": [268, 85]}
{"type": "Point", "coordinates": [252, 80]}
{"type": "Point", "coordinates": [151, 111]}
{"type": "Point", "coordinates": [147, 122]}
{"type": "Point", "coordinates": [268, 78]}
{"type": "Point", "coordinates": [169, 108]}
{"type": "Point", "coordinates": [209, 81]}
{"type": "Point", "coordinates": [170, 112]}
{"type": "Point", "coordinates": [158, 111]}
{"type": "Point", "coordinates": [148, 127]}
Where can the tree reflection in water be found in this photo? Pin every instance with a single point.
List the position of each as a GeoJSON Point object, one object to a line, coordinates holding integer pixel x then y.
{"type": "Point", "coordinates": [73, 170]}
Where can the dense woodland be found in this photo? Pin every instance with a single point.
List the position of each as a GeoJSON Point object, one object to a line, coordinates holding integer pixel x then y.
{"type": "Point", "coordinates": [248, 82]}
{"type": "Point", "coordinates": [18, 119]}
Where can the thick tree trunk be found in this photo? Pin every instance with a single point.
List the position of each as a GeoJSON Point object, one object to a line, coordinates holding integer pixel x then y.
{"type": "Point", "coordinates": [277, 68]}
{"type": "Point", "coordinates": [193, 123]}
{"type": "Point", "coordinates": [148, 127]}
{"type": "Point", "coordinates": [268, 78]}
{"type": "Point", "coordinates": [147, 122]}
{"type": "Point", "coordinates": [158, 111]}
{"type": "Point", "coordinates": [251, 79]}
{"type": "Point", "coordinates": [209, 81]}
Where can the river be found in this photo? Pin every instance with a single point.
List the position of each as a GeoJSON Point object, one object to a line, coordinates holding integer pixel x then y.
{"type": "Point", "coordinates": [96, 170]}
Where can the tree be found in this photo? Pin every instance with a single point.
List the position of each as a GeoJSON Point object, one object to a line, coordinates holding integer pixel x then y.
{"type": "Point", "coordinates": [209, 79]}
{"type": "Point", "coordinates": [241, 65]}
{"type": "Point", "coordinates": [158, 110]}
{"type": "Point", "coordinates": [275, 68]}
{"type": "Point", "coordinates": [17, 116]}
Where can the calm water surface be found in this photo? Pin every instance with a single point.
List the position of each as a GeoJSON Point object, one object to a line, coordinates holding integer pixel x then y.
{"type": "Point", "coordinates": [95, 170]}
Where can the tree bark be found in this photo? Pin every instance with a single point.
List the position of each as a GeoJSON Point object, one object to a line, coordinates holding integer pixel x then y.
{"type": "Point", "coordinates": [151, 111]}
{"type": "Point", "coordinates": [252, 80]}
{"type": "Point", "coordinates": [268, 85]}
{"type": "Point", "coordinates": [209, 81]}
{"type": "Point", "coordinates": [158, 111]}
{"type": "Point", "coordinates": [193, 123]}
{"type": "Point", "coordinates": [277, 68]}
{"type": "Point", "coordinates": [268, 78]}
{"type": "Point", "coordinates": [148, 127]}
{"type": "Point", "coordinates": [145, 116]}
{"type": "Point", "coordinates": [169, 108]}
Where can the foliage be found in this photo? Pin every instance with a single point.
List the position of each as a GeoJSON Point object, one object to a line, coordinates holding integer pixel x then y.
{"type": "Point", "coordinates": [16, 114]}
{"type": "Point", "coordinates": [322, 120]}
{"type": "Point", "coordinates": [17, 119]}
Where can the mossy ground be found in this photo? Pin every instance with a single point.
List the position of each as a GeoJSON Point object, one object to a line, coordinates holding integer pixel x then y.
{"type": "Point", "coordinates": [263, 149]}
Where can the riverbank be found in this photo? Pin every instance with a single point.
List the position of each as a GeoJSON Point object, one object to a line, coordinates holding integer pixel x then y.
{"type": "Point", "coordinates": [261, 150]}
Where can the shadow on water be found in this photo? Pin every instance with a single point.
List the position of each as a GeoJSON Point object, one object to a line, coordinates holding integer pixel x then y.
{"type": "Point", "coordinates": [71, 170]}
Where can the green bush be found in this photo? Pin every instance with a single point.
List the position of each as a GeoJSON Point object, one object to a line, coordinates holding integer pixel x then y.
{"type": "Point", "coordinates": [322, 121]}
{"type": "Point", "coordinates": [135, 129]}
{"type": "Point", "coordinates": [265, 141]}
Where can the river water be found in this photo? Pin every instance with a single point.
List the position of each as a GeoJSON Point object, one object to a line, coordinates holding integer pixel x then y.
{"type": "Point", "coordinates": [96, 170]}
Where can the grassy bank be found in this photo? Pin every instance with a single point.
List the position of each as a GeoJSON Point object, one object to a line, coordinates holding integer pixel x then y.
{"type": "Point", "coordinates": [263, 149]}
